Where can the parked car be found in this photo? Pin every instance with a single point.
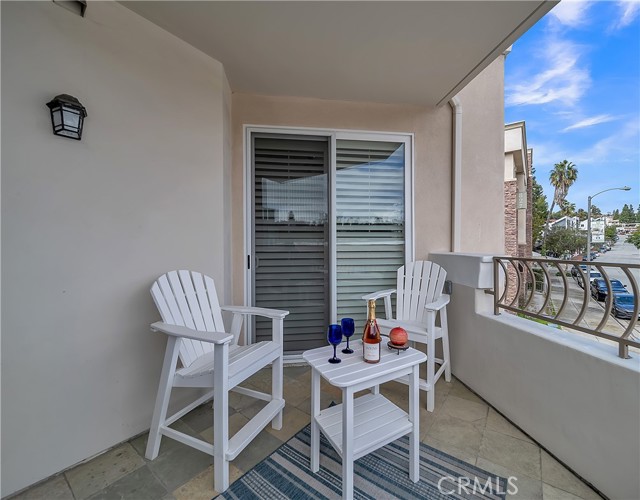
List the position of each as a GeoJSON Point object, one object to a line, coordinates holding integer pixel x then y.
{"type": "Point", "coordinates": [623, 304]}
{"type": "Point", "coordinates": [599, 288]}
{"type": "Point", "coordinates": [574, 270]}
{"type": "Point", "coordinates": [592, 276]}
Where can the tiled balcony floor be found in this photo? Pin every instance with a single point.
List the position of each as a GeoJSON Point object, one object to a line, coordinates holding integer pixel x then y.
{"type": "Point", "coordinates": [462, 425]}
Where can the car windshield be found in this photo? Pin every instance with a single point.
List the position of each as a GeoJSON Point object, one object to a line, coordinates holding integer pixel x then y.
{"type": "Point", "coordinates": [628, 299]}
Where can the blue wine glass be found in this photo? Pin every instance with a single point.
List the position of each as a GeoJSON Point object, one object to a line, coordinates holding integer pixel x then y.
{"type": "Point", "coordinates": [348, 328]}
{"type": "Point", "coordinates": [334, 337]}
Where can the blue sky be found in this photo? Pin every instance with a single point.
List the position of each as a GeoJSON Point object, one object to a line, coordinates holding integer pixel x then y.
{"type": "Point", "coordinates": [574, 78]}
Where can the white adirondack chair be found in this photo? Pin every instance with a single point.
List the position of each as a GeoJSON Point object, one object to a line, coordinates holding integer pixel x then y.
{"type": "Point", "coordinates": [192, 319]}
{"type": "Point", "coordinates": [419, 299]}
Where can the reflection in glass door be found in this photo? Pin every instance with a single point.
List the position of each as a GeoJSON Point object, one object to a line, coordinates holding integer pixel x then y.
{"type": "Point", "coordinates": [370, 221]}
{"type": "Point", "coordinates": [290, 236]}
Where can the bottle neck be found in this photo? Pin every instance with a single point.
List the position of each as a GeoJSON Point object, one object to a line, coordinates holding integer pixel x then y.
{"type": "Point", "coordinates": [371, 315]}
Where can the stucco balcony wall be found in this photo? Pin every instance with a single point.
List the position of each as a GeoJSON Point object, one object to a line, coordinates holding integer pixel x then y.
{"type": "Point", "coordinates": [575, 397]}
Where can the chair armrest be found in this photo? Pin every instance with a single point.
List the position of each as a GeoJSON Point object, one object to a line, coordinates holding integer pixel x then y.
{"type": "Point", "coordinates": [378, 295]}
{"type": "Point", "coordinates": [188, 333]}
{"type": "Point", "coordinates": [438, 304]}
{"type": "Point", "coordinates": [256, 311]}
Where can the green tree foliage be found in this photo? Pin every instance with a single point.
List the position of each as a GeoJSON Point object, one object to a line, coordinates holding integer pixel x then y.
{"type": "Point", "coordinates": [610, 233]}
{"type": "Point", "coordinates": [595, 211]}
{"type": "Point", "coordinates": [539, 209]}
{"type": "Point", "coordinates": [582, 214]}
{"type": "Point", "coordinates": [561, 241]}
{"type": "Point", "coordinates": [562, 177]}
{"type": "Point", "coordinates": [627, 214]}
{"type": "Point", "coordinates": [616, 214]}
{"type": "Point", "coordinates": [634, 238]}
{"type": "Point", "coordinates": [638, 213]}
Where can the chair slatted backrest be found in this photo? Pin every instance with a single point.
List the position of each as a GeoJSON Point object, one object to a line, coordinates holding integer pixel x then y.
{"type": "Point", "coordinates": [419, 283]}
{"type": "Point", "coordinates": [189, 299]}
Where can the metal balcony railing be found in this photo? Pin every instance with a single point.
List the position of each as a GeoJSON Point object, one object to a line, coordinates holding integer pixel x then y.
{"type": "Point", "coordinates": [558, 292]}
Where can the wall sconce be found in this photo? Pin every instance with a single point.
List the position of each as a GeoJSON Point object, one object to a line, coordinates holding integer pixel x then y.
{"type": "Point", "coordinates": [67, 116]}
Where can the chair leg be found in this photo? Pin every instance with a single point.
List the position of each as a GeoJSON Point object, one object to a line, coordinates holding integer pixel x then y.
{"type": "Point", "coordinates": [221, 418]}
{"type": "Point", "coordinates": [445, 345]}
{"type": "Point", "coordinates": [431, 371]}
{"type": "Point", "coordinates": [276, 389]}
{"type": "Point", "coordinates": [162, 398]}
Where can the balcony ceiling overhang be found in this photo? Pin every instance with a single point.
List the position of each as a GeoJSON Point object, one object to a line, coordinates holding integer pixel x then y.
{"type": "Point", "coordinates": [394, 52]}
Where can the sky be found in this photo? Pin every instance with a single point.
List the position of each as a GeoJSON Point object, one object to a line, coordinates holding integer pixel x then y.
{"type": "Point", "coordinates": [574, 78]}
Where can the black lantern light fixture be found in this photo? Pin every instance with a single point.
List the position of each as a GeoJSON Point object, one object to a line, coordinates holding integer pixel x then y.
{"type": "Point", "coordinates": [67, 116]}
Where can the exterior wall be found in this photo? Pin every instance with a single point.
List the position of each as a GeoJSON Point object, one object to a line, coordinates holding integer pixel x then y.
{"type": "Point", "coordinates": [87, 226]}
{"type": "Point", "coordinates": [482, 158]}
{"type": "Point", "coordinates": [510, 218]}
{"type": "Point", "coordinates": [432, 150]}
{"type": "Point", "coordinates": [483, 161]}
{"type": "Point", "coordinates": [575, 397]}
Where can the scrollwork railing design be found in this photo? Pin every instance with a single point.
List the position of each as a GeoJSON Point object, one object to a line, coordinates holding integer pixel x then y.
{"type": "Point", "coordinates": [559, 292]}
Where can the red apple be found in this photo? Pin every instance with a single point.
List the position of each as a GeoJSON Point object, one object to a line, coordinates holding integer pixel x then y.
{"type": "Point", "coordinates": [398, 336]}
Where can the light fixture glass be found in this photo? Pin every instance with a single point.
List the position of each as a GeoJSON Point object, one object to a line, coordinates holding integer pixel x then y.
{"type": "Point", "coordinates": [67, 116]}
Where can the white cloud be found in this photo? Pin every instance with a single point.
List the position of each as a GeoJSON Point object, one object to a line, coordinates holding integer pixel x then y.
{"type": "Point", "coordinates": [571, 13]}
{"type": "Point", "coordinates": [629, 10]}
{"type": "Point", "coordinates": [620, 147]}
{"type": "Point", "coordinates": [589, 122]}
{"type": "Point", "coordinates": [562, 79]}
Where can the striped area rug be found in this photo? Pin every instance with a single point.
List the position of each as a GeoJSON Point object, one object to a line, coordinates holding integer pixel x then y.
{"type": "Point", "coordinates": [383, 474]}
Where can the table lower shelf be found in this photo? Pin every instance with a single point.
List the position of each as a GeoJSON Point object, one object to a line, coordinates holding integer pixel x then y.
{"type": "Point", "coordinates": [377, 422]}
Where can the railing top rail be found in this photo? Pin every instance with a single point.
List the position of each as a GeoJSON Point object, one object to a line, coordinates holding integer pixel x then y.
{"type": "Point", "coordinates": [567, 262]}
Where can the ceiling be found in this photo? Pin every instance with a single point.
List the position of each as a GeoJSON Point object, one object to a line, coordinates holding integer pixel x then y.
{"type": "Point", "coordinates": [421, 52]}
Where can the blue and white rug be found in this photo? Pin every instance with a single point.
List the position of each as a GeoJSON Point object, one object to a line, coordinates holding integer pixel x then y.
{"type": "Point", "coordinates": [383, 474]}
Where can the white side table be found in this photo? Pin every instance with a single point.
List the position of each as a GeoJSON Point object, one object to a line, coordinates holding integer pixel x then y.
{"type": "Point", "coordinates": [358, 427]}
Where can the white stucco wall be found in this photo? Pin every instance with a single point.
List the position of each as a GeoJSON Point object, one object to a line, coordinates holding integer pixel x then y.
{"type": "Point", "coordinates": [87, 226]}
{"type": "Point", "coordinates": [574, 396]}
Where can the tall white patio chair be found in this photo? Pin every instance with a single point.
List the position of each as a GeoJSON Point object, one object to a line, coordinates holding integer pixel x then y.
{"type": "Point", "coordinates": [211, 358]}
{"type": "Point", "coordinates": [419, 299]}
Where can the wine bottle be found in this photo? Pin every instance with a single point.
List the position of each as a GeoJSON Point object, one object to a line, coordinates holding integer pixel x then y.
{"type": "Point", "coordinates": [371, 336]}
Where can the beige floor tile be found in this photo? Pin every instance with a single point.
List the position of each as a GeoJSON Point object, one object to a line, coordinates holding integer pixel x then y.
{"type": "Point", "coordinates": [293, 420]}
{"type": "Point", "coordinates": [512, 453]}
{"type": "Point", "coordinates": [456, 432]}
{"type": "Point", "coordinates": [55, 488]}
{"type": "Point", "coordinates": [519, 486]}
{"type": "Point", "coordinates": [295, 392]}
{"type": "Point", "coordinates": [463, 455]}
{"type": "Point", "coordinates": [86, 479]}
{"type": "Point", "coordinates": [498, 423]}
{"type": "Point", "coordinates": [236, 422]}
{"type": "Point", "coordinates": [201, 486]}
{"type": "Point", "coordinates": [551, 493]}
{"type": "Point", "coordinates": [464, 409]}
{"type": "Point", "coordinates": [460, 390]}
{"type": "Point", "coordinates": [557, 475]}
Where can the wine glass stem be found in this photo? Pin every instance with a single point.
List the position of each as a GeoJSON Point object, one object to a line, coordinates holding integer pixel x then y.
{"type": "Point", "coordinates": [334, 351]}
{"type": "Point", "coordinates": [347, 343]}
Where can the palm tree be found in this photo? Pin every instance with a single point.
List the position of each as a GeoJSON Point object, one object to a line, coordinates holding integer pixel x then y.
{"type": "Point", "coordinates": [563, 175]}
{"type": "Point", "coordinates": [568, 209]}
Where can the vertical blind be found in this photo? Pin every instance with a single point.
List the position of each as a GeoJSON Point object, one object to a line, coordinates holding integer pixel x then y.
{"type": "Point", "coordinates": [291, 236]}
{"type": "Point", "coordinates": [370, 221]}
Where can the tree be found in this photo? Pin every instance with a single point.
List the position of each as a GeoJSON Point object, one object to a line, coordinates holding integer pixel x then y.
{"type": "Point", "coordinates": [567, 209]}
{"type": "Point", "coordinates": [561, 240]}
{"type": "Point", "coordinates": [638, 213]}
{"type": "Point", "coordinates": [627, 215]}
{"type": "Point", "coordinates": [581, 214]}
{"type": "Point", "coordinates": [562, 177]}
{"type": "Point", "coordinates": [610, 233]}
{"type": "Point", "coordinates": [616, 214]}
{"type": "Point", "coordinates": [539, 209]}
{"type": "Point", "coordinates": [634, 238]}
{"type": "Point", "coordinates": [595, 211]}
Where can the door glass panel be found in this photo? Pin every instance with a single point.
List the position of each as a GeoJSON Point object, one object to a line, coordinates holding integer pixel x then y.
{"type": "Point", "coordinates": [290, 237]}
{"type": "Point", "coordinates": [370, 221]}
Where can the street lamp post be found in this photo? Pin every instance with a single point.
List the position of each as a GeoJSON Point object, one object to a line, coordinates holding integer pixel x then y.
{"type": "Point", "coordinates": [625, 188]}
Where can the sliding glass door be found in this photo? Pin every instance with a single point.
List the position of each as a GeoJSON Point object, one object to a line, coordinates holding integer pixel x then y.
{"type": "Point", "coordinates": [329, 224]}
